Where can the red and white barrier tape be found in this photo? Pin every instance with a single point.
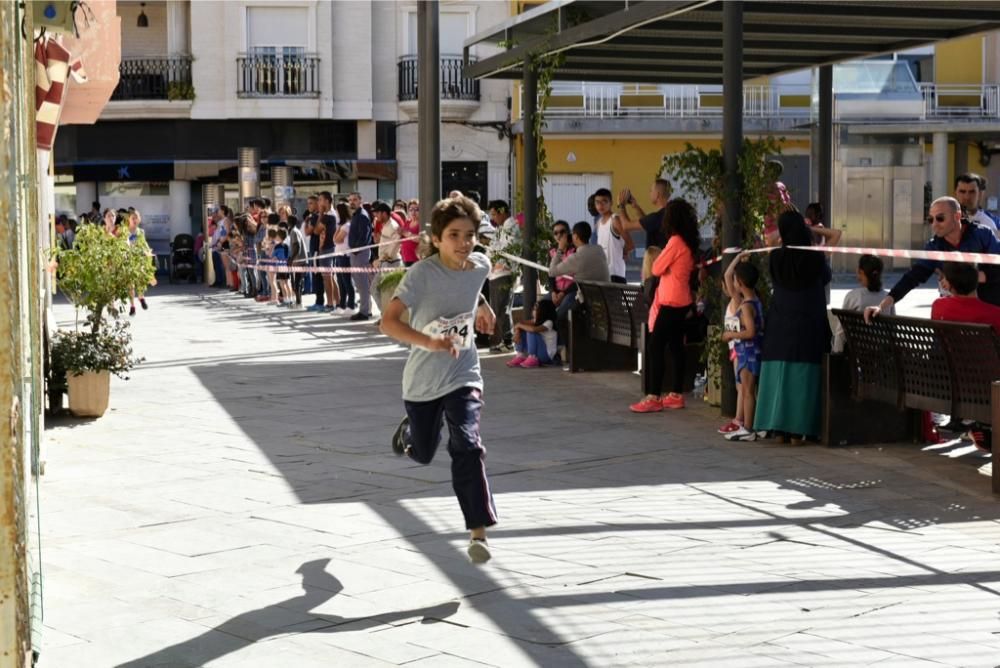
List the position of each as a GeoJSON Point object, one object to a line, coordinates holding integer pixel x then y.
{"type": "Point", "coordinates": [351, 251]}
{"type": "Point", "coordinates": [299, 269]}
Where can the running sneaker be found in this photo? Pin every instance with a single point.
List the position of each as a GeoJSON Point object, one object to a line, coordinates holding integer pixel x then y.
{"type": "Point", "coordinates": [743, 434]}
{"type": "Point", "coordinates": [479, 551]}
{"type": "Point", "coordinates": [143, 304]}
{"type": "Point", "coordinates": [516, 360]}
{"type": "Point", "coordinates": [399, 438]}
{"type": "Point", "coordinates": [531, 363]}
{"type": "Point", "coordinates": [673, 401]}
{"type": "Point", "coordinates": [315, 307]}
{"type": "Point", "coordinates": [729, 427]}
{"type": "Point", "coordinates": [647, 406]}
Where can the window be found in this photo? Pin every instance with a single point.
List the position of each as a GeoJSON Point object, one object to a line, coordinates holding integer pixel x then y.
{"type": "Point", "coordinates": [454, 28]}
{"type": "Point", "coordinates": [277, 27]}
{"type": "Point", "coordinates": [276, 62]}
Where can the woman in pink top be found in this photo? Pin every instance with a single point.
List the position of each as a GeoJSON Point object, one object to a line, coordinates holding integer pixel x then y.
{"type": "Point", "coordinates": [410, 233]}
{"type": "Point", "coordinates": [670, 308]}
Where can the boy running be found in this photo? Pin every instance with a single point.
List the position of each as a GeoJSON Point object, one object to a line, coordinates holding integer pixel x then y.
{"type": "Point", "coordinates": [441, 379]}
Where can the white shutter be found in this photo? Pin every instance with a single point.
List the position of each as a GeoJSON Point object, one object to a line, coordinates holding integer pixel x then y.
{"type": "Point", "coordinates": [566, 195]}
{"type": "Point", "coordinates": [277, 26]}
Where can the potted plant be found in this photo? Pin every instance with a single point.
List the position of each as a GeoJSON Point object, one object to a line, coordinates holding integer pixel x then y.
{"type": "Point", "coordinates": [97, 274]}
{"type": "Point", "coordinates": [87, 359]}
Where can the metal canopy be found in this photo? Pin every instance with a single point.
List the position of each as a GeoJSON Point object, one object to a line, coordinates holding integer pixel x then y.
{"type": "Point", "coordinates": [680, 41]}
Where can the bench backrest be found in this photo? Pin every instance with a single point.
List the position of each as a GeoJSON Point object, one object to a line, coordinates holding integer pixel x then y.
{"type": "Point", "coordinates": [613, 312]}
{"type": "Point", "coordinates": [931, 365]}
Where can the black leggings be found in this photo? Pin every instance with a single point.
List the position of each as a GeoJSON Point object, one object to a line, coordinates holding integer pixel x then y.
{"type": "Point", "coordinates": [668, 333]}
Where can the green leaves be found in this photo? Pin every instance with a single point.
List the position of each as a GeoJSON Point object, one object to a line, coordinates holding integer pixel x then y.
{"type": "Point", "coordinates": [107, 350]}
{"type": "Point", "coordinates": [101, 269]}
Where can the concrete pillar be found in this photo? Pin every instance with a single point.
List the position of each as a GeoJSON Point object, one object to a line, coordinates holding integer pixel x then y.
{"type": "Point", "coordinates": [249, 173]}
{"type": "Point", "coordinates": [939, 166]}
{"type": "Point", "coordinates": [428, 106]}
{"type": "Point", "coordinates": [367, 150]}
{"type": "Point", "coordinates": [961, 155]}
{"type": "Point", "coordinates": [282, 187]}
{"type": "Point", "coordinates": [86, 193]}
{"type": "Point", "coordinates": [180, 208]}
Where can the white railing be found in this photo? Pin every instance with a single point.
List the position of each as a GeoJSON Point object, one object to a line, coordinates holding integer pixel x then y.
{"type": "Point", "coordinates": [961, 101]}
{"type": "Point", "coordinates": [586, 100]}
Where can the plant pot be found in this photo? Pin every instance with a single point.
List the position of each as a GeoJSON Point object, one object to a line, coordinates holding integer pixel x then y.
{"type": "Point", "coordinates": [88, 393]}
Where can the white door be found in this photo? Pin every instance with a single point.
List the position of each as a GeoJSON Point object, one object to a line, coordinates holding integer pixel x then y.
{"type": "Point", "coordinates": [566, 195]}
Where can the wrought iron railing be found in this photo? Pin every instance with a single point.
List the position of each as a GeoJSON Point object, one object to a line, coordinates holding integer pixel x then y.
{"type": "Point", "coordinates": [280, 75]}
{"type": "Point", "coordinates": [156, 78]}
{"type": "Point", "coordinates": [454, 86]}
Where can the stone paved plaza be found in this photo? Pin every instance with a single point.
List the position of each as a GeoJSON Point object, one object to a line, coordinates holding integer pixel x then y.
{"type": "Point", "coordinates": [239, 506]}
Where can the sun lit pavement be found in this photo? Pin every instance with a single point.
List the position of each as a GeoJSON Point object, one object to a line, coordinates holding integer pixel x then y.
{"type": "Point", "coordinates": [239, 506]}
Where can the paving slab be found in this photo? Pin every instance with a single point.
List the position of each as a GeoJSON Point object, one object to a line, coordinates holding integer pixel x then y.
{"type": "Point", "coordinates": [238, 505]}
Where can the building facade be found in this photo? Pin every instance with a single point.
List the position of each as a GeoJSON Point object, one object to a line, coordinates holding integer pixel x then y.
{"type": "Point", "coordinates": [327, 89]}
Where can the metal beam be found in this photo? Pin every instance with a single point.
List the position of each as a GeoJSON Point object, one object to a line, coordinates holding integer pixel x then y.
{"type": "Point", "coordinates": [428, 106]}
{"type": "Point", "coordinates": [529, 102]}
{"type": "Point", "coordinates": [529, 182]}
{"type": "Point", "coordinates": [825, 139]}
{"type": "Point", "coordinates": [732, 146]}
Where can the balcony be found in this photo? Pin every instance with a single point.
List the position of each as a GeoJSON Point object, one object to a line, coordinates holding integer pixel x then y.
{"type": "Point", "coordinates": [459, 95]}
{"type": "Point", "coordinates": [163, 78]}
{"type": "Point", "coordinates": [959, 101]}
{"type": "Point", "coordinates": [277, 75]}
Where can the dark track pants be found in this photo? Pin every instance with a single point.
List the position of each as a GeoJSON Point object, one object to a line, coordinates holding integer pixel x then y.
{"type": "Point", "coordinates": [461, 410]}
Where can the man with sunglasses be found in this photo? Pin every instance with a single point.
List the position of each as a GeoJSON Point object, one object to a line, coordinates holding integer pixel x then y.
{"type": "Point", "coordinates": [951, 233]}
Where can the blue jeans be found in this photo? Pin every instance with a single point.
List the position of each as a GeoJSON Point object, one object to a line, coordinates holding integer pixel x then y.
{"type": "Point", "coordinates": [533, 343]}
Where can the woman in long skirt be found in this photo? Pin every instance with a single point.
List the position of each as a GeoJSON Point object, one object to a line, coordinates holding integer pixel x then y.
{"type": "Point", "coordinates": [796, 335]}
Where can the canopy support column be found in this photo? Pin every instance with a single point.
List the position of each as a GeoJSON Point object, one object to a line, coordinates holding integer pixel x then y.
{"type": "Point", "coordinates": [429, 108]}
{"type": "Point", "coordinates": [529, 183]}
{"type": "Point", "coordinates": [825, 139]}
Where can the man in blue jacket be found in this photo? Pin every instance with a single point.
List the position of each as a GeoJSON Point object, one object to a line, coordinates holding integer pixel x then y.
{"type": "Point", "coordinates": [951, 233]}
{"type": "Point", "coordinates": [359, 236]}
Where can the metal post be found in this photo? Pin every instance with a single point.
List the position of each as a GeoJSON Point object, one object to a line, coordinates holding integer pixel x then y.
{"type": "Point", "coordinates": [939, 164]}
{"type": "Point", "coordinates": [428, 107]}
{"type": "Point", "coordinates": [529, 182]}
{"type": "Point", "coordinates": [825, 138]}
{"type": "Point", "coordinates": [249, 174]}
{"type": "Point", "coordinates": [732, 145]}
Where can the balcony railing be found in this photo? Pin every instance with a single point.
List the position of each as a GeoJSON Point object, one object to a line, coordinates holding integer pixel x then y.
{"type": "Point", "coordinates": [162, 78]}
{"type": "Point", "coordinates": [586, 100]}
{"type": "Point", "coordinates": [961, 101]}
{"type": "Point", "coordinates": [782, 101]}
{"type": "Point", "coordinates": [281, 75]}
{"type": "Point", "coordinates": [454, 86]}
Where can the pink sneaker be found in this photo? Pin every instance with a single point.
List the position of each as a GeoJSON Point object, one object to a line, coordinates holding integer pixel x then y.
{"type": "Point", "coordinates": [673, 401]}
{"type": "Point", "coordinates": [730, 427]}
{"type": "Point", "coordinates": [647, 406]}
{"type": "Point", "coordinates": [517, 360]}
{"type": "Point", "coordinates": [531, 363]}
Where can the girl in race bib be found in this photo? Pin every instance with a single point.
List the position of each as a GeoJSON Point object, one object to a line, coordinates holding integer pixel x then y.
{"type": "Point", "coordinates": [441, 380]}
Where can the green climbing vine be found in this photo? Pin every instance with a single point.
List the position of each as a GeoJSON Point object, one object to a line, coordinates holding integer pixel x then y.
{"type": "Point", "coordinates": [700, 172]}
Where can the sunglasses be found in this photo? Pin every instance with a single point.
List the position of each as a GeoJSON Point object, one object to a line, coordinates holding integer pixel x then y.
{"type": "Point", "coordinates": [559, 233]}
{"type": "Point", "coordinates": [939, 218]}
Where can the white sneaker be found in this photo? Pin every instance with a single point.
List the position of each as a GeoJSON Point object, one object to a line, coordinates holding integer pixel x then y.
{"type": "Point", "coordinates": [741, 434]}
{"type": "Point", "coordinates": [479, 551]}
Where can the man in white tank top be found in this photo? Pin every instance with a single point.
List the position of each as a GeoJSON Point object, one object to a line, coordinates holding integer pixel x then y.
{"type": "Point", "coordinates": [610, 235]}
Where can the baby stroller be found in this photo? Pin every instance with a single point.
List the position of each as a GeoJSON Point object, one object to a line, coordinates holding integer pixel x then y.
{"type": "Point", "coordinates": [182, 258]}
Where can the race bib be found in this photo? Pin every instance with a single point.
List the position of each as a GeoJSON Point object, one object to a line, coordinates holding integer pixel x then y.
{"type": "Point", "coordinates": [461, 326]}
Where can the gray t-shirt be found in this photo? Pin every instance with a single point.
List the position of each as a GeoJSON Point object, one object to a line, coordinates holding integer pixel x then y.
{"type": "Point", "coordinates": [442, 301]}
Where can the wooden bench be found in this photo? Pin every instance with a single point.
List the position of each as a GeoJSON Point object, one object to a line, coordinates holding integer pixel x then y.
{"type": "Point", "coordinates": [610, 330]}
{"type": "Point", "coordinates": [913, 365]}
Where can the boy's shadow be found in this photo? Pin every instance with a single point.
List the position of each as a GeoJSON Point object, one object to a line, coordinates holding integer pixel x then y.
{"type": "Point", "coordinates": [249, 627]}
